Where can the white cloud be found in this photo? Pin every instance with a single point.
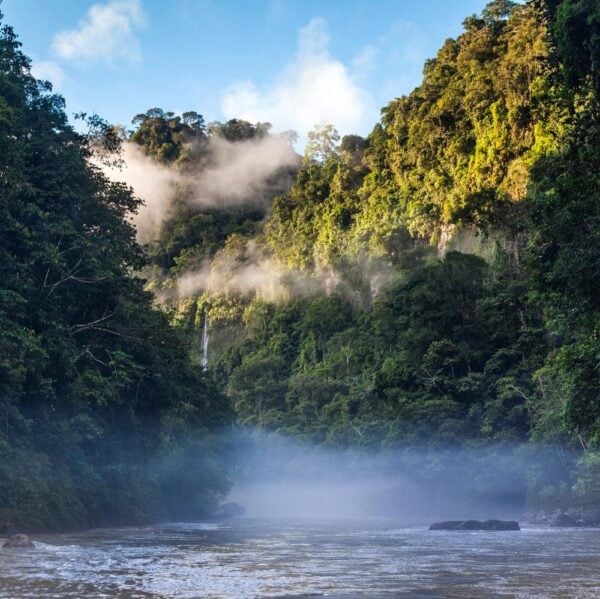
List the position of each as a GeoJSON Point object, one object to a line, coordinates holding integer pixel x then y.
{"type": "Point", "coordinates": [106, 34]}
{"type": "Point", "coordinates": [48, 70]}
{"type": "Point", "coordinates": [314, 87]}
{"type": "Point", "coordinates": [237, 173]}
{"type": "Point", "coordinates": [151, 181]}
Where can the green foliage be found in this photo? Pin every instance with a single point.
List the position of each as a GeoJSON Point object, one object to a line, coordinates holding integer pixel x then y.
{"type": "Point", "coordinates": [239, 130]}
{"type": "Point", "coordinates": [197, 231]}
{"type": "Point", "coordinates": [166, 136]}
{"type": "Point", "coordinates": [564, 247]}
{"type": "Point", "coordinates": [496, 153]}
{"type": "Point", "coordinates": [499, 144]}
{"type": "Point", "coordinates": [311, 225]}
{"type": "Point", "coordinates": [502, 134]}
{"type": "Point", "coordinates": [576, 33]}
{"type": "Point", "coordinates": [437, 359]}
{"type": "Point", "coordinates": [92, 377]}
{"type": "Point", "coordinates": [192, 235]}
{"type": "Point", "coordinates": [456, 152]}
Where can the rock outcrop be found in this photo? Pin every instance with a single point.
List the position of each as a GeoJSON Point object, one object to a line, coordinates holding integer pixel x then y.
{"type": "Point", "coordinates": [476, 525]}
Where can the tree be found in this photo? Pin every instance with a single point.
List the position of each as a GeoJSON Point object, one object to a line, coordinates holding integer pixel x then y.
{"type": "Point", "coordinates": [167, 137]}
{"type": "Point", "coordinates": [497, 10]}
{"type": "Point", "coordinates": [93, 380]}
{"type": "Point", "coordinates": [321, 143]}
{"type": "Point", "coordinates": [238, 130]}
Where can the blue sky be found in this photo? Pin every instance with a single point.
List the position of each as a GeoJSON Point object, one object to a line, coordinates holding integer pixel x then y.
{"type": "Point", "coordinates": [291, 62]}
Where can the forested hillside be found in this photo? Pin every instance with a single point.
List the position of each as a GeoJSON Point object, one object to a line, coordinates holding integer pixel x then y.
{"type": "Point", "coordinates": [100, 405]}
{"type": "Point", "coordinates": [432, 286]}
{"type": "Point", "coordinates": [435, 283]}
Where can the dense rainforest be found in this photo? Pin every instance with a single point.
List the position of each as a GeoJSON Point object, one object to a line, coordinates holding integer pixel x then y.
{"type": "Point", "coordinates": [101, 407]}
{"type": "Point", "coordinates": [433, 286]}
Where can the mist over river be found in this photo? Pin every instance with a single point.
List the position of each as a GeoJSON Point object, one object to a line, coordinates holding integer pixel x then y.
{"type": "Point", "coordinates": [250, 557]}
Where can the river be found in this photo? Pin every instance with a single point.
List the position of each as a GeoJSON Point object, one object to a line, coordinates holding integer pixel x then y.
{"type": "Point", "coordinates": [301, 557]}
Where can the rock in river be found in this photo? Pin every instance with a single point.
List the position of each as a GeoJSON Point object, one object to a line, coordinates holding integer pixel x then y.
{"type": "Point", "coordinates": [476, 525]}
{"type": "Point", "coordinates": [18, 542]}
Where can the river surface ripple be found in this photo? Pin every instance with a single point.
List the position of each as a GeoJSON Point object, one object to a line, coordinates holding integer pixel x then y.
{"type": "Point", "coordinates": [305, 558]}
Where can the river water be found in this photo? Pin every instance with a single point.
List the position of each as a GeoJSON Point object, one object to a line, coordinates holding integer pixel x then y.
{"type": "Point", "coordinates": [305, 558]}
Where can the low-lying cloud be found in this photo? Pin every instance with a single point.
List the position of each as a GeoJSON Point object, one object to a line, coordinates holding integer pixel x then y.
{"type": "Point", "coordinates": [232, 174]}
{"type": "Point", "coordinates": [152, 182]}
{"type": "Point", "coordinates": [239, 172]}
{"type": "Point", "coordinates": [283, 477]}
{"type": "Point", "coordinates": [248, 271]}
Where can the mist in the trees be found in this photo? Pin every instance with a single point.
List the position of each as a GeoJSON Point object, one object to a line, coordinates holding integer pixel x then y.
{"type": "Point", "coordinates": [279, 477]}
{"type": "Point", "coordinates": [404, 327]}
{"type": "Point", "coordinates": [224, 174]}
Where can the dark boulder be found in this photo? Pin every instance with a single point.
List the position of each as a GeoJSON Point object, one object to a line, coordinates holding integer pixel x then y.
{"type": "Point", "coordinates": [501, 525]}
{"type": "Point", "coordinates": [18, 542]}
{"type": "Point", "coordinates": [476, 525]}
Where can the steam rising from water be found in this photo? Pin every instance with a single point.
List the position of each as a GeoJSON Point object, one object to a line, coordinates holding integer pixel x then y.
{"type": "Point", "coordinates": [281, 477]}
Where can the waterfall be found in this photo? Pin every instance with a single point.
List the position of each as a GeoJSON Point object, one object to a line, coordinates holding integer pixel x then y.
{"type": "Point", "coordinates": [204, 361]}
{"type": "Point", "coordinates": [330, 281]}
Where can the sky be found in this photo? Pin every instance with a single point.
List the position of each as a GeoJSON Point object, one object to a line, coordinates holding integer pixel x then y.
{"type": "Point", "coordinates": [293, 63]}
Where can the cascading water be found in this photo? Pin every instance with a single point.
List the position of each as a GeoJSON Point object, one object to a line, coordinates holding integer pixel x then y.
{"type": "Point", "coordinates": [204, 361]}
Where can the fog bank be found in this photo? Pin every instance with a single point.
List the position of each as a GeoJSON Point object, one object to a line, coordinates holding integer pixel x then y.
{"type": "Point", "coordinates": [226, 174]}
{"type": "Point", "coordinates": [281, 477]}
{"type": "Point", "coordinates": [247, 271]}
